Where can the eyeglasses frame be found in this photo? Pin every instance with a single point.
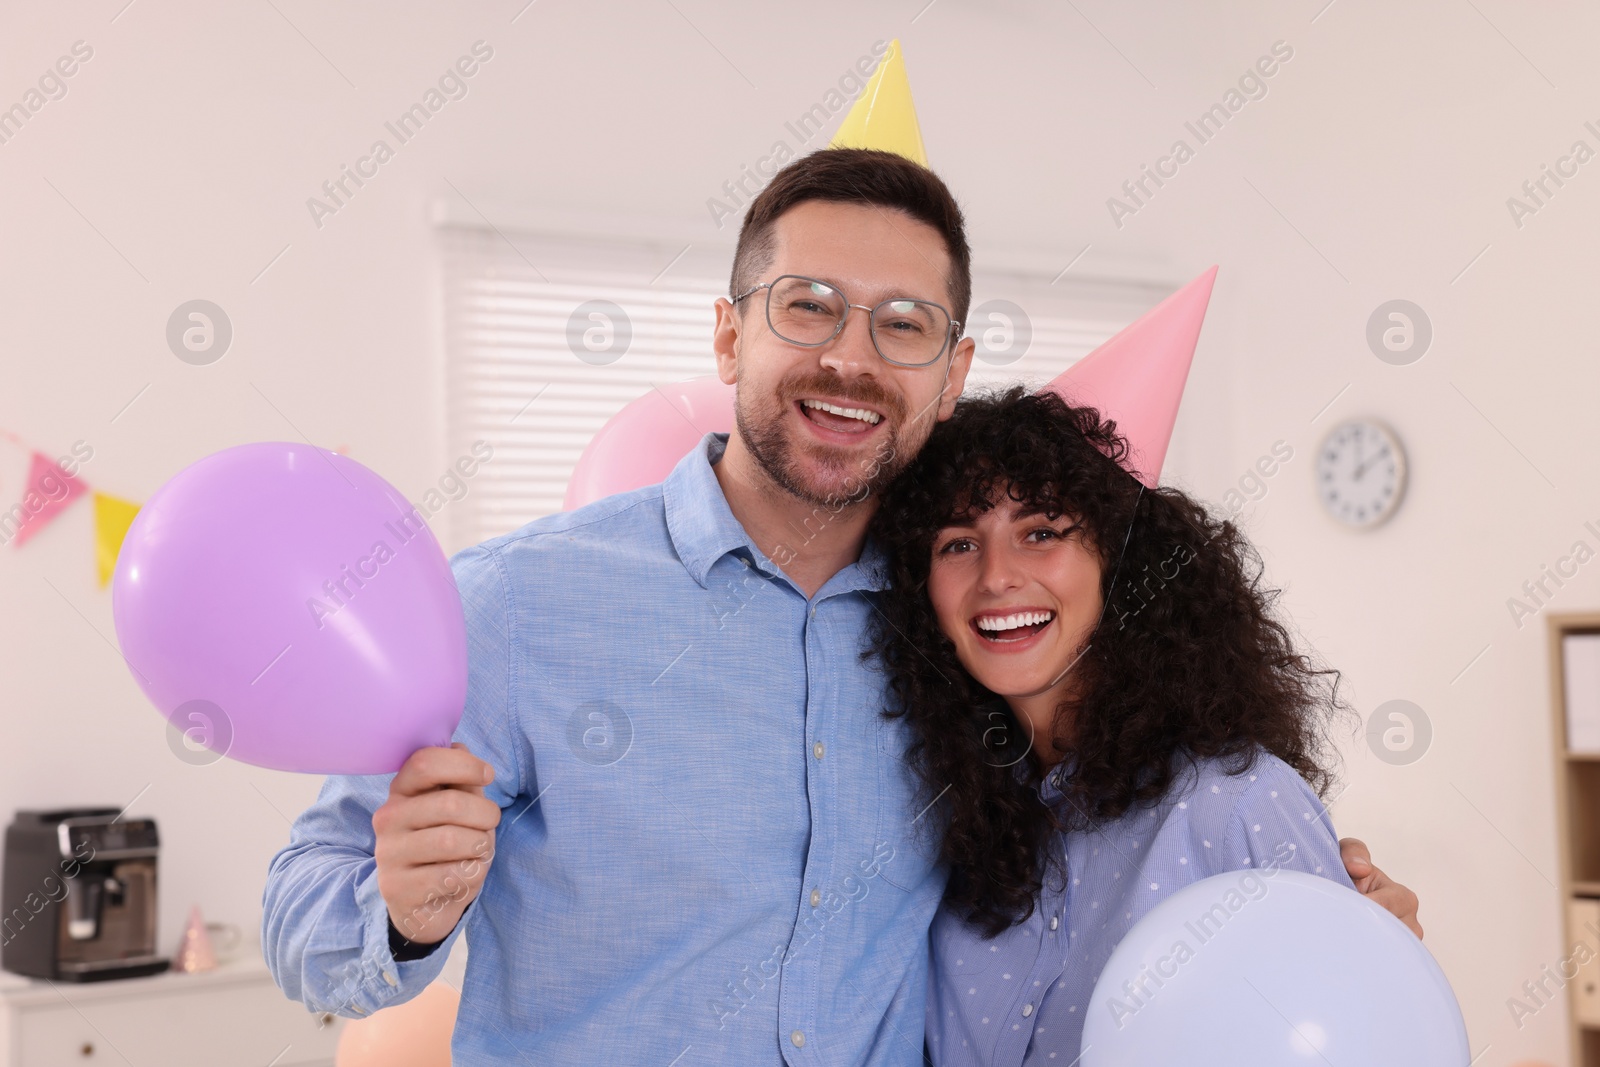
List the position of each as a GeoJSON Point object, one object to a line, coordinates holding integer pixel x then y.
{"type": "Point", "coordinates": [953, 333]}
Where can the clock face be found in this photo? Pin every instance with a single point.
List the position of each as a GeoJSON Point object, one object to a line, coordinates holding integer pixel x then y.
{"type": "Point", "coordinates": [1361, 472]}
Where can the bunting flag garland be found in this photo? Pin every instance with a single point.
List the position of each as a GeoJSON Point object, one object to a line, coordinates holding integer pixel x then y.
{"type": "Point", "coordinates": [50, 488]}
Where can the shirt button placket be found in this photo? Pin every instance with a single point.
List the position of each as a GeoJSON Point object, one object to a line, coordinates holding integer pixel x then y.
{"type": "Point", "coordinates": [805, 992]}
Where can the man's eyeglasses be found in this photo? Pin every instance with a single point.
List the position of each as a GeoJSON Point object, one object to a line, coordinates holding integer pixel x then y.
{"type": "Point", "coordinates": [808, 312]}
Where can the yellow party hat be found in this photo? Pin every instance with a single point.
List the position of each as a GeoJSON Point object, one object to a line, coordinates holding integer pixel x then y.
{"type": "Point", "coordinates": [884, 117]}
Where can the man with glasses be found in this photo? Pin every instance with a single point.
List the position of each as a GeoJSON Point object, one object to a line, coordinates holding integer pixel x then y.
{"type": "Point", "coordinates": [706, 845]}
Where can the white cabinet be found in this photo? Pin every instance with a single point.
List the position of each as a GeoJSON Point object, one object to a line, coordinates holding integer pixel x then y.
{"type": "Point", "coordinates": [232, 1015]}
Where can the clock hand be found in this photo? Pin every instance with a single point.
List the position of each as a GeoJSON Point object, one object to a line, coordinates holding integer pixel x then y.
{"type": "Point", "coordinates": [1362, 468]}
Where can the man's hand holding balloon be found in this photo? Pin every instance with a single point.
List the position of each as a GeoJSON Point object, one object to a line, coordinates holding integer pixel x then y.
{"type": "Point", "coordinates": [435, 840]}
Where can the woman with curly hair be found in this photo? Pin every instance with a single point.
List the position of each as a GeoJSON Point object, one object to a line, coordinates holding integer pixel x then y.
{"type": "Point", "coordinates": [1103, 704]}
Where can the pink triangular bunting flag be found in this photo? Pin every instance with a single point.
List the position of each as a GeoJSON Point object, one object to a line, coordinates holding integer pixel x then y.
{"type": "Point", "coordinates": [50, 489]}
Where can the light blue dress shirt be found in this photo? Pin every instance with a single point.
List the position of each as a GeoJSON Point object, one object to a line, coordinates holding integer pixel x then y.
{"type": "Point", "coordinates": [709, 851]}
{"type": "Point", "coordinates": [1021, 998]}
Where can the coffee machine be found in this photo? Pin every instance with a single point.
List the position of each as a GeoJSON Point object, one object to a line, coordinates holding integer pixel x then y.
{"type": "Point", "coordinates": [78, 893]}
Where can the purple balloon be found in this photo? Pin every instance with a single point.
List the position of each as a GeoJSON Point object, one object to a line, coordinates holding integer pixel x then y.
{"type": "Point", "coordinates": [283, 605]}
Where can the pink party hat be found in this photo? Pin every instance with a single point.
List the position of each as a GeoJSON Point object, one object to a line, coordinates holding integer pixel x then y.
{"type": "Point", "coordinates": [194, 948]}
{"type": "Point", "coordinates": [1137, 377]}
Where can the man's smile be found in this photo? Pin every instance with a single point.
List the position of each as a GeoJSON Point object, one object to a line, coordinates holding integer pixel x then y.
{"type": "Point", "coordinates": [838, 419]}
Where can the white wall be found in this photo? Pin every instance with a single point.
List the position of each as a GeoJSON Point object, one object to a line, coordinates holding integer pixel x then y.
{"type": "Point", "coordinates": [188, 144]}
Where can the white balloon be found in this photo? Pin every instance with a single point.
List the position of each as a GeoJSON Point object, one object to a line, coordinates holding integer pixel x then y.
{"type": "Point", "coordinates": [1259, 968]}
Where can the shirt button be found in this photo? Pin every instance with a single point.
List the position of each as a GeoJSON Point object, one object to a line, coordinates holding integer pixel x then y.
{"type": "Point", "coordinates": [1054, 922]}
{"type": "Point", "coordinates": [1027, 1010]}
{"type": "Point", "coordinates": [387, 977]}
{"type": "Point", "coordinates": [817, 751]}
{"type": "Point", "coordinates": [816, 898]}
{"type": "Point", "coordinates": [799, 1038]}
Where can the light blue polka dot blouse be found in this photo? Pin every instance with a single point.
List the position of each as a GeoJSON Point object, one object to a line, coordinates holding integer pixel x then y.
{"type": "Point", "coordinates": [1020, 998]}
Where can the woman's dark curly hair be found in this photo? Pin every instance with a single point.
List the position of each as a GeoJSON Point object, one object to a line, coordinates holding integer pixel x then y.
{"type": "Point", "coordinates": [1188, 660]}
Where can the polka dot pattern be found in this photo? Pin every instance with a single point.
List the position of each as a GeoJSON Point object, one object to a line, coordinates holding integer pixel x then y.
{"type": "Point", "coordinates": [1019, 1000]}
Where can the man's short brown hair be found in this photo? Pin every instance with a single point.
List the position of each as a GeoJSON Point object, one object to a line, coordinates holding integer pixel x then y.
{"type": "Point", "coordinates": [855, 176]}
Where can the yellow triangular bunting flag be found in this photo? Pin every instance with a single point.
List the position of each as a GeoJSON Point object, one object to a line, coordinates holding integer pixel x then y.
{"type": "Point", "coordinates": [884, 117]}
{"type": "Point", "coordinates": [112, 517]}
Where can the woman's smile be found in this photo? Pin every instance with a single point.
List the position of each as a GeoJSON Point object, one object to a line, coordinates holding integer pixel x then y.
{"type": "Point", "coordinates": [1012, 630]}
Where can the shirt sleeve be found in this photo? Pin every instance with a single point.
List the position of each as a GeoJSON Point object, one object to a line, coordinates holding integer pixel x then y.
{"type": "Point", "coordinates": [1278, 820]}
{"type": "Point", "coordinates": [325, 926]}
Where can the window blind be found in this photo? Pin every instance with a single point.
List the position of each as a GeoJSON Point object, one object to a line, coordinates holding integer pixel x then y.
{"type": "Point", "coordinates": [546, 338]}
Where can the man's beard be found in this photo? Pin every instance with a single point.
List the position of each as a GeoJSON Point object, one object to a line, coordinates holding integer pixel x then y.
{"type": "Point", "coordinates": [856, 477]}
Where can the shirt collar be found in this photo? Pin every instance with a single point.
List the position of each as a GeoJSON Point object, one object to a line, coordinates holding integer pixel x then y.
{"type": "Point", "coordinates": [1050, 785]}
{"type": "Point", "coordinates": [703, 527]}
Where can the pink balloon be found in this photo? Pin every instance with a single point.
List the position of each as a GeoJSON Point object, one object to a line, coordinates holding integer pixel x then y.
{"type": "Point", "coordinates": [283, 605]}
{"type": "Point", "coordinates": [641, 444]}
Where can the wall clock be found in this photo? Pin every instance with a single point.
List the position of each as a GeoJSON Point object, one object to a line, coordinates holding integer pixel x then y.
{"type": "Point", "coordinates": [1361, 472]}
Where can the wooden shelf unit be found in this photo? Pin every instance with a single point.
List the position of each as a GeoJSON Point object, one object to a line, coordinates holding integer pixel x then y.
{"type": "Point", "coordinates": [1577, 784]}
